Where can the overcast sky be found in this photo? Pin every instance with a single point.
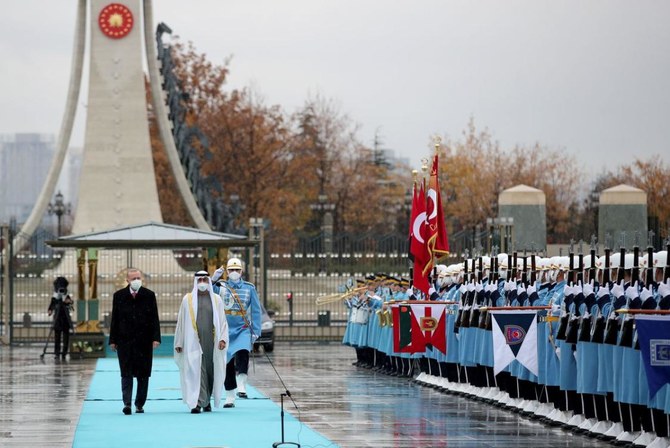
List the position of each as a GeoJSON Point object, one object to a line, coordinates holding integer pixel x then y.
{"type": "Point", "coordinates": [591, 78]}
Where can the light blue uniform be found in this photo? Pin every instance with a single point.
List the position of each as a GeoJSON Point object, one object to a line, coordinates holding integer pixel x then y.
{"type": "Point", "coordinates": [240, 336]}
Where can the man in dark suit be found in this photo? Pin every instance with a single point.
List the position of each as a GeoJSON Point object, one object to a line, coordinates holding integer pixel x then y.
{"type": "Point", "coordinates": [134, 334]}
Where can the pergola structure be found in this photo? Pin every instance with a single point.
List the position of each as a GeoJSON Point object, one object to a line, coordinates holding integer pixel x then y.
{"type": "Point", "coordinates": [151, 235]}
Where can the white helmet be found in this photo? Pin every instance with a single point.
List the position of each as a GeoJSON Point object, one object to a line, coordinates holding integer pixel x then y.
{"type": "Point", "coordinates": [234, 263]}
{"type": "Point", "coordinates": [661, 259]}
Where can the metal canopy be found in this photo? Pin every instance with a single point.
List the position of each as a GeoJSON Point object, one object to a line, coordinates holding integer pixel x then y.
{"type": "Point", "coordinates": [153, 235]}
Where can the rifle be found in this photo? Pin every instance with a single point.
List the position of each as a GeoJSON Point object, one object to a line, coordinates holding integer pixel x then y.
{"type": "Point", "coordinates": [612, 328]}
{"type": "Point", "coordinates": [571, 265]}
{"type": "Point", "coordinates": [480, 273]}
{"type": "Point", "coordinates": [580, 272]}
{"type": "Point", "coordinates": [650, 266]}
{"type": "Point", "coordinates": [606, 269]}
{"type": "Point", "coordinates": [533, 271]}
{"type": "Point", "coordinates": [635, 275]}
{"type": "Point", "coordinates": [459, 317]}
{"type": "Point", "coordinates": [598, 335]}
{"type": "Point", "coordinates": [592, 268]}
{"type": "Point", "coordinates": [524, 267]}
{"type": "Point", "coordinates": [513, 267]}
{"type": "Point", "coordinates": [666, 272]}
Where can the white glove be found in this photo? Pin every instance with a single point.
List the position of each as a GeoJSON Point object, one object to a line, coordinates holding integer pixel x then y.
{"type": "Point", "coordinates": [567, 291]}
{"type": "Point", "coordinates": [462, 289]}
{"type": "Point", "coordinates": [509, 285]}
{"type": "Point", "coordinates": [603, 291]}
{"type": "Point", "coordinates": [646, 293]}
{"type": "Point", "coordinates": [587, 289]}
{"type": "Point", "coordinates": [217, 275]}
{"type": "Point", "coordinates": [617, 290]}
{"type": "Point", "coordinates": [520, 290]}
{"type": "Point", "coordinates": [632, 293]}
{"type": "Point", "coordinates": [531, 289]}
{"type": "Point", "coordinates": [431, 290]}
{"type": "Point", "coordinates": [663, 290]}
{"type": "Point", "coordinates": [471, 287]}
{"type": "Point", "coordinates": [555, 308]}
{"type": "Point", "coordinates": [490, 287]}
{"type": "Point", "coordinates": [479, 287]}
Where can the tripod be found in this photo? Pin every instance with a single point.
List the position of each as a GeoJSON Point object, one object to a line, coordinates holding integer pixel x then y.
{"type": "Point", "coordinates": [46, 344]}
{"type": "Point", "coordinates": [276, 444]}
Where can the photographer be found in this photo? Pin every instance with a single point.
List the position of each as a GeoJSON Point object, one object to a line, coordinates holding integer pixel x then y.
{"type": "Point", "coordinates": [59, 308]}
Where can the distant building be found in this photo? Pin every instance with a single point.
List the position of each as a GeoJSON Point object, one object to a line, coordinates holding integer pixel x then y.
{"type": "Point", "coordinates": [24, 163]}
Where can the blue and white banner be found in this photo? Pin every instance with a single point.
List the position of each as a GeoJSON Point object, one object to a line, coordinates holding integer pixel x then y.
{"type": "Point", "coordinates": [514, 337]}
{"type": "Point", "coordinates": [653, 333]}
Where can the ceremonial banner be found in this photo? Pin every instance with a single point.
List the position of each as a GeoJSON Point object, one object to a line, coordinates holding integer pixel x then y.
{"type": "Point", "coordinates": [416, 326]}
{"type": "Point", "coordinates": [418, 248]}
{"type": "Point", "coordinates": [437, 242]}
{"type": "Point", "coordinates": [514, 337]}
{"type": "Point", "coordinates": [653, 333]}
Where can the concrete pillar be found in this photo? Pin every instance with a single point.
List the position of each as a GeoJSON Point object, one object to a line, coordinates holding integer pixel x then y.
{"type": "Point", "coordinates": [117, 186]}
{"type": "Point", "coordinates": [527, 207]}
{"type": "Point", "coordinates": [622, 209]}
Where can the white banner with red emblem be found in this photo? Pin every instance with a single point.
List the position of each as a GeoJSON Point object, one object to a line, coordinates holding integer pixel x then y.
{"type": "Point", "coordinates": [514, 337]}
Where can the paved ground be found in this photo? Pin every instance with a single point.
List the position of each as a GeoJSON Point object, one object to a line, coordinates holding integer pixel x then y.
{"type": "Point", "coordinates": [40, 402]}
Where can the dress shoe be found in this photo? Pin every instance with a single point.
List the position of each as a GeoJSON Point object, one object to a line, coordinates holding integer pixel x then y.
{"type": "Point", "coordinates": [195, 410]}
{"type": "Point", "coordinates": [207, 408]}
{"type": "Point", "coordinates": [229, 405]}
{"type": "Point", "coordinates": [126, 410]}
{"type": "Point", "coordinates": [242, 395]}
{"type": "Point", "coordinates": [139, 410]}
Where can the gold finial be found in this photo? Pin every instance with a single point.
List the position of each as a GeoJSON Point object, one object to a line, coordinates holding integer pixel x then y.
{"type": "Point", "coordinates": [437, 141]}
{"type": "Point", "coordinates": [424, 165]}
{"type": "Point", "coordinates": [415, 174]}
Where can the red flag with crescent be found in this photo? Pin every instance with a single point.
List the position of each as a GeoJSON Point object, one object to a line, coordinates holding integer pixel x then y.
{"type": "Point", "coordinates": [437, 242]}
{"type": "Point", "coordinates": [418, 248]}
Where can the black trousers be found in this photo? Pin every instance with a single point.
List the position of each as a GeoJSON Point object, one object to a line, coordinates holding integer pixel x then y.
{"type": "Point", "coordinates": [237, 364]}
{"type": "Point", "coordinates": [57, 339]}
{"type": "Point", "coordinates": [127, 391]}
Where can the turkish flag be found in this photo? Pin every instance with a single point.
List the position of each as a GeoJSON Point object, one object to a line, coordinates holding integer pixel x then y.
{"type": "Point", "coordinates": [436, 231]}
{"type": "Point", "coordinates": [418, 249]}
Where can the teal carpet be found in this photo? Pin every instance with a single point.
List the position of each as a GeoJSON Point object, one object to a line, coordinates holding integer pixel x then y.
{"type": "Point", "coordinates": [167, 422]}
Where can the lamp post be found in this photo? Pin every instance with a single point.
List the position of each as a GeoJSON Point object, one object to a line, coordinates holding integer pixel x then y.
{"type": "Point", "coordinates": [59, 208]}
{"type": "Point", "coordinates": [325, 209]}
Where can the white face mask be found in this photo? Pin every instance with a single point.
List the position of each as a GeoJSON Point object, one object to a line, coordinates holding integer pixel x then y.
{"type": "Point", "coordinates": [202, 287]}
{"type": "Point", "coordinates": [502, 274]}
{"type": "Point", "coordinates": [234, 275]}
{"type": "Point", "coordinates": [136, 284]}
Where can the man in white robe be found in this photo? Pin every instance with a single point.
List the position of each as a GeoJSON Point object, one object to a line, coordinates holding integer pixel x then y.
{"type": "Point", "coordinates": [200, 342]}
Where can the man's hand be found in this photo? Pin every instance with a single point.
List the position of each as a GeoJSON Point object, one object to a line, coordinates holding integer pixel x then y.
{"type": "Point", "coordinates": [156, 344]}
{"type": "Point", "coordinates": [178, 349]}
{"type": "Point", "coordinates": [222, 345]}
{"type": "Point", "coordinates": [217, 275]}
{"type": "Point", "coordinates": [113, 346]}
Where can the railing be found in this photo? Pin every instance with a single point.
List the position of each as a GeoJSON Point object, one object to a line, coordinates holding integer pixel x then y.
{"type": "Point", "coordinates": [299, 269]}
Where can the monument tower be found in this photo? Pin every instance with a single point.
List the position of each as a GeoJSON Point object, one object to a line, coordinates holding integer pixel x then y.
{"type": "Point", "coordinates": [117, 185]}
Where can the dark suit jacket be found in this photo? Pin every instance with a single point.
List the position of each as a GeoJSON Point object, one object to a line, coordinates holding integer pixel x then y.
{"type": "Point", "coordinates": [134, 327]}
